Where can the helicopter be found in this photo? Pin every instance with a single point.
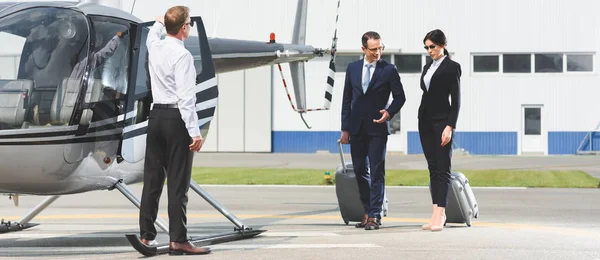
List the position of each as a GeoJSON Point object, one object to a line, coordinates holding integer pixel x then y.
{"type": "Point", "coordinates": [75, 105]}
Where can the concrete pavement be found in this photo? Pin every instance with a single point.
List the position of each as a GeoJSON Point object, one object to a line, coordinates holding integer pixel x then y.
{"type": "Point", "coordinates": [305, 223]}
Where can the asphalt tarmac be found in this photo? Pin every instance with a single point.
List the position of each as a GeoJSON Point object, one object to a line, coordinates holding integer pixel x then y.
{"type": "Point", "coordinates": [303, 222]}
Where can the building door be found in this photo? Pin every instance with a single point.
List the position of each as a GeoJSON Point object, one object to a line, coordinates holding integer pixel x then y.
{"type": "Point", "coordinates": [532, 140]}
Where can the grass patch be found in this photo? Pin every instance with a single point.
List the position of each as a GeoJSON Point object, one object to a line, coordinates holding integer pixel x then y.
{"type": "Point", "coordinates": [477, 178]}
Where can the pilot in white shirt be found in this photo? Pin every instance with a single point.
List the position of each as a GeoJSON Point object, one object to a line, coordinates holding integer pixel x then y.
{"type": "Point", "coordinates": [173, 134]}
{"type": "Point", "coordinates": [169, 85]}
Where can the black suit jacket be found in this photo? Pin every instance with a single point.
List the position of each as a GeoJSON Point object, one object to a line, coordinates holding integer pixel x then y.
{"type": "Point", "coordinates": [361, 108]}
{"type": "Point", "coordinates": [444, 82]}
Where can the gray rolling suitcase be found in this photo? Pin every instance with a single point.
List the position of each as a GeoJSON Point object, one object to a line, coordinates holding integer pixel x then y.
{"type": "Point", "coordinates": [462, 206]}
{"type": "Point", "coordinates": [346, 190]}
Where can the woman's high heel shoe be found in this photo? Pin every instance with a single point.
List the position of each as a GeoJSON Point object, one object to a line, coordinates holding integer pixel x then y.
{"type": "Point", "coordinates": [426, 227]}
{"type": "Point", "coordinates": [440, 227]}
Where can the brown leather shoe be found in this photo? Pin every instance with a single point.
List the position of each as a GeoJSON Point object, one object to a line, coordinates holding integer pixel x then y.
{"type": "Point", "coordinates": [187, 248]}
{"type": "Point", "coordinates": [363, 222]}
{"type": "Point", "coordinates": [371, 224]}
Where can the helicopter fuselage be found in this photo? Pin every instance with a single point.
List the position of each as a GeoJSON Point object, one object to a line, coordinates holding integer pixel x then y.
{"type": "Point", "coordinates": [75, 105]}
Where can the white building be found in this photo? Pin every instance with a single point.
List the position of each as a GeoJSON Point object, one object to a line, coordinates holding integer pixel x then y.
{"type": "Point", "coordinates": [530, 81]}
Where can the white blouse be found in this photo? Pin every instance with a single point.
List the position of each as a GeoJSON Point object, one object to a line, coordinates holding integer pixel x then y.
{"type": "Point", "coordinates": [434, 65]}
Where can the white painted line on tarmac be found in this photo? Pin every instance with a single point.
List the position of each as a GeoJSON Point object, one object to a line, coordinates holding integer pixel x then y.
{"type": "Point", "coordinates": [32, 236]}
{"type": "Point", "coordinates": [56, 235]}
{"type": "Point", "coordinates": [47, 251]}
{"type": "Point", "coordinates": [298, 234]}
{"type": "Point", "coordinates": [292, 246]}
{"type": "Point", "coordinates": [24, 251]}
{"type": "Point", "coordinates": [36, 236]}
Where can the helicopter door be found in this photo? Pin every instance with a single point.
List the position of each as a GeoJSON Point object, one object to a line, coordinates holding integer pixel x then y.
{"type": "Point", "coordinates": [139, 101]}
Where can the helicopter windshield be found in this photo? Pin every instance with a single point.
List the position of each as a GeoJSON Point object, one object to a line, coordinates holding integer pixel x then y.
{"type": "Point", "coordinates": [40, 66]}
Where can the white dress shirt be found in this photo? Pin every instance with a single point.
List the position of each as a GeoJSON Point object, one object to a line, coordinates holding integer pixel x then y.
{"type": "Point", "coordinates": [364, 71]}
{"type": "Point", "coordinates": [434, 65]}
{"type": "Point", "coordinates": [173, 75]}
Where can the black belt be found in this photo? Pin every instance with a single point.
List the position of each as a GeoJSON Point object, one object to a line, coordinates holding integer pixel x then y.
{"type": "Point", "coordinates": [165, 106]}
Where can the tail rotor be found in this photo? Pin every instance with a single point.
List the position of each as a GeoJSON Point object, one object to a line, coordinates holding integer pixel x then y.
{"type": "Point", "coordinates": [297, 68]}
{"type": "Point", "coordinates": [333, 50]}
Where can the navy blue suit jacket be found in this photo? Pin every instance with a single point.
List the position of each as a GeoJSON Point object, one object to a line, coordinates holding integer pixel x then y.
{"type": "Point", "coordinates": [359, 108]}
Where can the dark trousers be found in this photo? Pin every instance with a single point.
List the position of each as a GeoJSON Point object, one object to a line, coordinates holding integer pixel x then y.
{"type": "Point", "coordinates": [368, 159]}
{"type": "Point", "coordinates": [167, 155]}
{"type": "Point", "coordinates": [438, 158]}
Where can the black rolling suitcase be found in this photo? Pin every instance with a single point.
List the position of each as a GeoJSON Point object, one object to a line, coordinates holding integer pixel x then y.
{"type": "Point", "coordinates": [346, 189]}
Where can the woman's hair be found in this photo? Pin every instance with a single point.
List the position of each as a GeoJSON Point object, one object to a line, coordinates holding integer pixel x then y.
{"type": "Point", "coordinates": [438, 38]}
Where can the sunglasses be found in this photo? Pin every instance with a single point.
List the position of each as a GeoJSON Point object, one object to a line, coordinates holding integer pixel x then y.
{"type": "Point", "coordinates": [191, 23]}
{"type": "Point", "coordinates": [429, 47]}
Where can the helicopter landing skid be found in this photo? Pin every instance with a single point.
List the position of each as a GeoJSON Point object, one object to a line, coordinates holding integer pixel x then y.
{"type": "Point", "coordinates": [6, 227]}
{"type": "Point", "coordinates": [163, 248]}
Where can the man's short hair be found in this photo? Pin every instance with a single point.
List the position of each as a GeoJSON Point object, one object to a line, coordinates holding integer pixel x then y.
{"type": "Point", "coordinates": [369, 35]}
{"type": "Point", "coordinates": [176, 17]}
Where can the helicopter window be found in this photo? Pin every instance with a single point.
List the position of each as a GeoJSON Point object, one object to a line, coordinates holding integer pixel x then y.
{"type": "Point", "coordinates": [110, 57]}
{"type": "Point", "coordinates": [143, 76]}
{"type": "Point", "coordinates": [192, 44]}
{"type": "Point", "coordinates": [41, 46]}
{"type": "Point", "coordinates": [10, 54]}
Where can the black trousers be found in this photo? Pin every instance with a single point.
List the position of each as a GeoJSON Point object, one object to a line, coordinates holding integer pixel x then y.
{"type": "Point", "coordinates": [438, 158]}
{"type": "Point", "coordinates": [167, 155]}
{"type": "Point", "coordinates": [368, 159]}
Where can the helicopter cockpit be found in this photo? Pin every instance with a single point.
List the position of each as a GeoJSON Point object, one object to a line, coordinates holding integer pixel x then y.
{"type": "Point", "coordinates": [46, 59]}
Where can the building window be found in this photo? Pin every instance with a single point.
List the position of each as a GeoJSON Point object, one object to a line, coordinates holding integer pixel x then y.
{"type": "Point", "coordinates": [516, 63]}
{"type": "Point", "coordinates": [343, 59]}
{"type": "Point", "coordinates": [550, 62]}
{"type": "Point", "coordinates": [580, 62]}
{"type": "Point", "coordinates": [387, 57]}
{"type": "Point", "coordinates": [395, 124]}
{"type": "Point", "coordinates": [408, 63]}
{"type": "Point", "coordinates": [486, 63]}
{"type": "Point", "coordinates": [542, 63]}
{"type": "Point", "coordinates": [533, 122]}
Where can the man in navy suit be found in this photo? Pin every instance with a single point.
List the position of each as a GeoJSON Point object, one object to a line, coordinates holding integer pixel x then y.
{"type": "Point", "coordinates": [365, 122]}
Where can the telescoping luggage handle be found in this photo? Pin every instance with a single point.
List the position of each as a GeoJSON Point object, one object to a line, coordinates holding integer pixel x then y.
{"type": "Point", "coordinates": [342, 155]}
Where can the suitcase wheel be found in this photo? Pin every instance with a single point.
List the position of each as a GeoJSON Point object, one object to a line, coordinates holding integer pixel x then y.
{"type": "Point", "coordinates": [346, 222]}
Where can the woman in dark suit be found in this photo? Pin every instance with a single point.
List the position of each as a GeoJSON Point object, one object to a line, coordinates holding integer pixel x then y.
{"type": "Point", "coordinates": [437, 120]}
